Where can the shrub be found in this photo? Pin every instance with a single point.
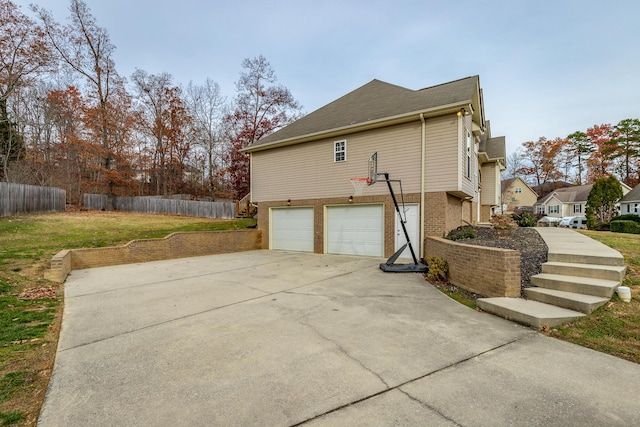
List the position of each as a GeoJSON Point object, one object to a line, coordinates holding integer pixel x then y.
{"type": "Point", "coordinates": [602, 226]}
{"type": "Point", "coordinates": [625, 226]}
{"type": "Point", "coordinates": [626, 217]}
{"type": "Point", "coordinates": [463, 232]}
{"type": "Point", "coordinates": [438, 269]}
{"type": "Point", "coordinates": [503, 222]}
{"type": "Point", "coordinates": [525, 219]}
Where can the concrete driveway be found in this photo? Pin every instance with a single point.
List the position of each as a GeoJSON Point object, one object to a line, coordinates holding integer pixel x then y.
{"type": "Point", "coordinates": [272, 338]}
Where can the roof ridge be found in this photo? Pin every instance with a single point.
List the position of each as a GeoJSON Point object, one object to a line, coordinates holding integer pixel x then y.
{"type": "Point", "coordinates": [452, 81]}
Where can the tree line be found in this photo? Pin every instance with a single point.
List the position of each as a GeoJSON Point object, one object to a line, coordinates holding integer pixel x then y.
{"type": "Point", "coordinates": [582, 157]}
{"type": "Point", "coordinates": [68, 119]}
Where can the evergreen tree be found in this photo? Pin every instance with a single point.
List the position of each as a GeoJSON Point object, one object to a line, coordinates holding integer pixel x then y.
{"type": "Point", "coordinates": [601, 202]}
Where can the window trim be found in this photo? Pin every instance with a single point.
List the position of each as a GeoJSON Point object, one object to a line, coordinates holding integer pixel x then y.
{"type": "Point", "coordinates": [553, 208]}
{"type": "Point", "coordinates": [468, 153]}
{"type": "Point", "coordinates": [336, 151]}
{"type": "Point", "coordinates": [518, 190]}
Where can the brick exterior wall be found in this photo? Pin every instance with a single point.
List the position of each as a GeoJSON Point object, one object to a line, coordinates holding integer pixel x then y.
{"type": "Point", "coordinates": [443, 212]}
{"type": "Point", "coordinates": [490, 272]}
{"type": "Point", "coordinates": [175, 245]}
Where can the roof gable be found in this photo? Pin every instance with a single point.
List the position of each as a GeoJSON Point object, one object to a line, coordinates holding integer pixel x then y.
{"type": "Point", "coordinates": [575, 194]}
{"type": "Point", "coordinates": [633, 195]}
{"type": "Point", "coordinates": [376, 100]}
{"type": "Point", "coordinates": [509, 182]}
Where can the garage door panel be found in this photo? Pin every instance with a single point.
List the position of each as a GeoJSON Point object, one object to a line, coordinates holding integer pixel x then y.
{"type": "Point", "coordinates": [355, 230]}
{"type": "Point", "coordinates": [292, 229]}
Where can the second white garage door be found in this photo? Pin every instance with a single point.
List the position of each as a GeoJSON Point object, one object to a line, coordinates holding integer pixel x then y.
{"type": "Point", "coordinates": [355, 230]}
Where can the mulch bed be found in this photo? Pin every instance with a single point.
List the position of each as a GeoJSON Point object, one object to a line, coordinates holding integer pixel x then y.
{"type": "Point", "coordinates": [533, 250]}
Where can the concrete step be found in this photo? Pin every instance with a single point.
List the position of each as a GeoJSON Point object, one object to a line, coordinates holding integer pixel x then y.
{"type": "Point", "coordinates": [571, 300]}
{"type": "Point", "coordinates": [579, 285]}
{"type": "Point", "coordinates": [607, 272]}
{"type": "Point", "coordinates": [604, 258]}
{"type": "Point", "coordinates": [530, 313]}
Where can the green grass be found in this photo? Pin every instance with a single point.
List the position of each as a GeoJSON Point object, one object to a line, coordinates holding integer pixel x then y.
{"type": "Point", "coordinates": [10, 418]}
{"type": "Point", "coordinates": [615, 327]}
{"type": "Point", "coordinates": [29, 327]}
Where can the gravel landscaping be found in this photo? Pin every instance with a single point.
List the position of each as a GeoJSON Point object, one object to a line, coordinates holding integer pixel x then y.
{"type": "Point", "coordinates": [533, 250]}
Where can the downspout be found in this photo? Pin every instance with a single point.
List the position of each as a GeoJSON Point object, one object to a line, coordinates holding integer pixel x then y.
{"type": "Point", "coordinates": [422, 182]}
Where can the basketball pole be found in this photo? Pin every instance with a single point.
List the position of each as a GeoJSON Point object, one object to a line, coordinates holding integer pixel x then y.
{"type": "Point", "coordinates": [390, 266]}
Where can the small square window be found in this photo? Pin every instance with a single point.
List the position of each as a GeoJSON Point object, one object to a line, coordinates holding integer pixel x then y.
{"type": "Point", "coordinates": [340, 151]}
{"type": "Point", "coordinates": [554, 209]}
{"type": "Point", "coordinates": [518, 190]}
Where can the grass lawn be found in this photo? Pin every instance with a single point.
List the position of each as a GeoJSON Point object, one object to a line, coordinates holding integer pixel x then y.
{"type": "Point", "coordinates": [615, 327]}
{"type": "Point", "coordinates": [31, 307]}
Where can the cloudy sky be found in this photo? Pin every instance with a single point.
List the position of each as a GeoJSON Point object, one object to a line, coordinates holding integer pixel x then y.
{"type": "Point", "coordinates": [547, 67]}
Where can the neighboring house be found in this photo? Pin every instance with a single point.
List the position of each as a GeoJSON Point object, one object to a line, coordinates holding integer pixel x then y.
{"type": "Point", "coordinates": [516, 194]}
{"type": "Point", "coordinates": [568, 201]}
{"type": "Point", "coordinates": [435, 140]}
{"type": "Point", "coordinates": [630, 203]}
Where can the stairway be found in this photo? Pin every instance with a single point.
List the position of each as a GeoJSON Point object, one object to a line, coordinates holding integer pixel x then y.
{"type": "Point", "coordinates": [579, 276]}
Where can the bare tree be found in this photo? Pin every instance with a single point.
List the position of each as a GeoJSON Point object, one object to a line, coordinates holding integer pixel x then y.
{"type": "Point", "coordinates": [24, 53]}
{"type": "Point", "coordinates": [261, 107]}
{"type": "Point", "coordinates": [207, 106]}
{"type": "Point", "coordinates": [86, 48]}
{"type": "Point", "coordinates": [514, 163]}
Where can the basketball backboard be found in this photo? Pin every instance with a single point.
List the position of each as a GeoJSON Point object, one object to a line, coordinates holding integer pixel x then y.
{"type": "Point", "coordinates": [373, 168]}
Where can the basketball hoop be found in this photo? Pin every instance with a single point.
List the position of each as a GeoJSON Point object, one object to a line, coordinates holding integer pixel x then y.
{"type": "Point", "coordinates": [359, 184]}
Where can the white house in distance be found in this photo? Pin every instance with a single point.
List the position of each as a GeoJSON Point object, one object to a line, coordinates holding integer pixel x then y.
{"type": "Point", "coordinates": [568, 201]}
{"type": "Point", "coordinates": [435, 140]}
{"type": "Point", "coordinates": [630, 203]}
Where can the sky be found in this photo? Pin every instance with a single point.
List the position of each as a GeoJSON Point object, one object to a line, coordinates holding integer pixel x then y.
{"type": "Point", "coordinates": [547, 67]}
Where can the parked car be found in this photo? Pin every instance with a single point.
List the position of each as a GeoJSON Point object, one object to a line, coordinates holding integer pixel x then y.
{"type": "Point", "coordinates": [579, 222]}
{"type": "Point", "coordinates": [548, 221]}
{"type": "Point", "coordinates": [566, 221]}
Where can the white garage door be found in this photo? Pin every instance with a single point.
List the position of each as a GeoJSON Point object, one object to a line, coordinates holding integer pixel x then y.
{"type": "Point", "coordinates": [292, 229]}
{"type": "Point", "coordinates": [355, 230]}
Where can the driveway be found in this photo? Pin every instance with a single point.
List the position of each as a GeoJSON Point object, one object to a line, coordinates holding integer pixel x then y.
{"type": "Point", "coordinates": [271, 338]}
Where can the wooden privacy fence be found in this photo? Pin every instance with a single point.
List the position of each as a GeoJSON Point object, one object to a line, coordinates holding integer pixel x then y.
{"type": "Point", "coordinates": [16, 199]}
{"type": "Point", "coordinates": [157, 205]}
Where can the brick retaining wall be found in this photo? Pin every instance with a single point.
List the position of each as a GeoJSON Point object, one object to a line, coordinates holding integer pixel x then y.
{"type": "Point", "coordinates": [175, 245]}
{"type": "Point", "coordinates": [490, 272]}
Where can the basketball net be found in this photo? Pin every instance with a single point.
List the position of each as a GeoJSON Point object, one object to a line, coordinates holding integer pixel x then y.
{"type": "Point", "coordinates": [358, 185]}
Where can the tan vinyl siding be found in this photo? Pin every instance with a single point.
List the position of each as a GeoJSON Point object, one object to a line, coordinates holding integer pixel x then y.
{"type": "Point", "coordinates": [442, 154]}
{"type": "Point", "coordinates": [490, 194]}
{"type": "Point", "coordinates": [308, 170]}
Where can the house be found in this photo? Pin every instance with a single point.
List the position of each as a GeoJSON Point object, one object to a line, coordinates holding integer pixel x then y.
{"type": "Point", "coordinates": [630, 203]}
{"type": "Point", "coordinates": [568, 201]}
{"type": "Point", "coordinates": [516, 194]}
{"type": "Point", "coordinates": [436, 141]}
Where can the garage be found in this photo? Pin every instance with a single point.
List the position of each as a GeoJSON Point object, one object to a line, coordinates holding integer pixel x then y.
{"type": "Point", "coordinates": [292, 229]}
{"type": "Point", "coordinates": [355, 230]}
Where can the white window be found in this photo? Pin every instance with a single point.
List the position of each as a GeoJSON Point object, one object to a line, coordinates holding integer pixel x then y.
{"type": "Point", "coordinates": [541, 210]}
{"type": "Point", "coordinates": [340, 151]}
{"type": "Point", "coordinates": [518, 190]}
{"type": "Point", "coordinates": [554, 209]}
{"type": "Point", "coordinates": [635, 208]}
{"type": "Point", "coordinates": [577, 208]}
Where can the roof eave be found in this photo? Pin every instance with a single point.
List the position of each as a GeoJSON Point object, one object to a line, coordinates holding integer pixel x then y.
{"type": "Point", "coordinates": [359, 127]}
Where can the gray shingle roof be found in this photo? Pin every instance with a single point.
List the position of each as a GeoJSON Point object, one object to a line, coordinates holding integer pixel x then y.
{"type": "Point", "coordinates": [374, 101]}
{"type": "Point", "coordinates": [633, 195]}
{"type": "Point", "coordinates": [575, 194]}
{"type": "Point", "coordinates": [496, 148]}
